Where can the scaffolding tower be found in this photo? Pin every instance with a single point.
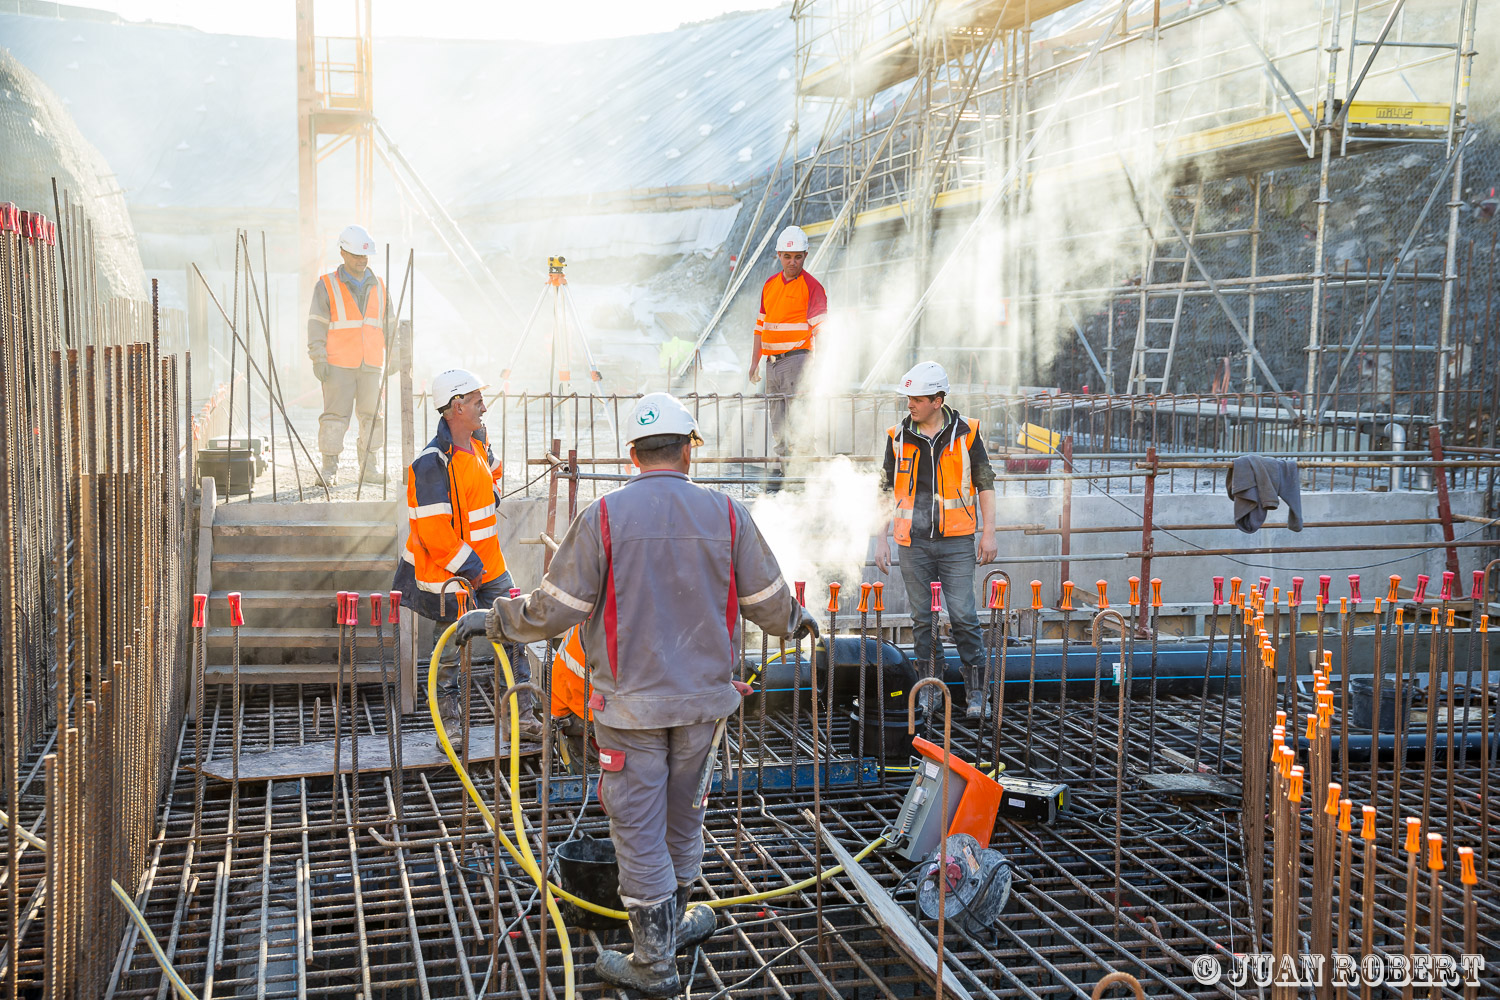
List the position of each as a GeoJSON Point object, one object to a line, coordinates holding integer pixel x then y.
{"type": "Point", "coordinates": [1022, 170]}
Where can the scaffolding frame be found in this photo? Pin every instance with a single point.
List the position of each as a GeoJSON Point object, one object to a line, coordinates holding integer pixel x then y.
{"type": "Point", "coordinates": [951, 103]}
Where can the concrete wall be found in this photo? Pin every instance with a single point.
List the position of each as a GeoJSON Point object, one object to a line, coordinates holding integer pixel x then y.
{"type": "Point", "coordinates": [1188, 580]}
{"type": "Point", "coordinates": [1185, 580]}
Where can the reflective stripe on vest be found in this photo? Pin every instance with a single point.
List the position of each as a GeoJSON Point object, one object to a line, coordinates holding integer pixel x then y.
{"type": "Point", "coordinates": [954, 488]}
{"type": "Point", "coordinates": [354, 338]}
{"type": "Point", "coordinates": [784, 325]}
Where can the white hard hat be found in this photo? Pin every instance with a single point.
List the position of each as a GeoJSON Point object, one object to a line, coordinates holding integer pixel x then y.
{"type": "Point", "coordinates": [926, 378]}
{"type": "Point", "coordinates": [660, 413]}
{"type": "Point", "coordinates": [357, 240]}
{"type": "Point", "coordinates": [792, 240]}
{"type": "Point", "coordinates": [453, 382]}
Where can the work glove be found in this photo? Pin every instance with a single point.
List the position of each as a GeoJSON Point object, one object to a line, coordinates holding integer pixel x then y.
{"type": "Point", "coordinates": [807, 625]}
{"type": "Point", "coordinates": [471, 625]}
{"type": "Point", "coordinates": [320, 370]}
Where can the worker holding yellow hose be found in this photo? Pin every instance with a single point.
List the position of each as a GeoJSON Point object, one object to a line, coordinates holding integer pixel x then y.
{"type": "Point", "coordinates": [659, 573]}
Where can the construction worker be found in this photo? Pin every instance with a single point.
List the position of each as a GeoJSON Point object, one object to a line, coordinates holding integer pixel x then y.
{"type": "Point", "coordinates": [658, 573]}
{"type": "Point", "coordinates": [570, 693]}
{"type": "Point", "coordinates": [346, 342]}
{"type": "Point", "coordinates": [450, 495]}
{"type": "Point", "coordinates": [944, 489]}
{"type": "Point", "coordinates": [792, 307]}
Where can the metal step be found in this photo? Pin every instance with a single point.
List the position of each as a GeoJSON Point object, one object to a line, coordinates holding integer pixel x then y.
{"type": "Point", "coordinates": [294, 638]}
{"type": "Point", "coordinates": [291, 673]}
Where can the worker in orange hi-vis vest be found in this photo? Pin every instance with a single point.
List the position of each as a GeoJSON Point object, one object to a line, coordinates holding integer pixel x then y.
{"type": "Point", "coordinates": [570, 695]}
{"type": "Point", "coordinates": [792, 307]}
{"type": "Point", "coordinates": [346, 342]}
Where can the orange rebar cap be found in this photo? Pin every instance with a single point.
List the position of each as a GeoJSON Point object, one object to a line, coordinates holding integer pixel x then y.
{"type": "Point", "coordinates": [1036, 595]}
{"type": "Point", "coordinates": [833, 597]}
{"type": "Point", "coordinates": [1331, 807]}
{"type": "Point", "coordinates": [1103, 587]}
{"type": "Point", "coordinates": [1312, 726]}
{"type": "Point", "coordinates": [1435, 852]}
{"type": "Point", "coordinates": [864, 598]}
{"type": "Point", "coordinates": [1345, 808]}
{"type": "Point", "coordinates": [879, 602]}
{"type": "Point", "coordinates": [1466, 866]}
{"type": "Point", "coordinates": [1294, 794]}
{"type": "Point", "coordinates": [1135, 591]}
{"type": "Point", "coordinates": [1367, 830]}
{"type": "Point", "coordinates": [1156, 592]}
{"type": "Point", "coordinates": [1413, 835]}
{"type": "Point", "coordinates": [1067, 596]}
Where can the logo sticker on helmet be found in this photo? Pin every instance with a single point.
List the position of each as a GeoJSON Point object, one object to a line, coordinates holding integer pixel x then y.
{"type": "Point", "coordinates": [647, 416]}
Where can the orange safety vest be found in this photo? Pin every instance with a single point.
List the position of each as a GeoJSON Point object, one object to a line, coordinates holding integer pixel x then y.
{"type": "Point", "coordinates": [790, 313]}
{"type": "Point", "coordinates": [450, 499]}
{"type": "Point", "coordinates": [953, 489]}
{"type": "Point", "coordinates": [570, 677]}
{"type": "Point", "coordinates": [354, 337]}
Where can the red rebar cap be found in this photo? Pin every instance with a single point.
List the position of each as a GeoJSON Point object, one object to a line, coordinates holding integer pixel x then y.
{"type": "Point", "coordinates": [1446, 593]}
{"type": "Point", "coordinates": [10, 217]}
{"type": "Point", "coordinates": [23, 220]}
{"type": "Point", "coordinates": [1296, 591]}
{"type": "Point", "coordinates": [1478, 594]}
{"type": "Point", "coordinates": [340, 608]}
{"type": "Point", "coordinates": [51, 233]}
{"type": "Point", "coordinates": [1218, 590]}
{"type": "Point", "coordinates": [1420, 596]}
{"type": "Point", "coordinates": [937, 596]}
{"type": "Point", "coordinates": [1323, 584]}
{"type": "Point", "coordinates": [997, 595]}
{"type": "Point", "coordinates": [200, 604]}
{"type": "Point", "coordinates": [801, 589]}
{"type": "Point", "coordinates": [375, 609]}
{"type": "Point", "coordinates": [1354, 596]}
{"type": "Point", "coordinates": [395, 616]}
{"type": "Point", "coordinates": [236, 613]}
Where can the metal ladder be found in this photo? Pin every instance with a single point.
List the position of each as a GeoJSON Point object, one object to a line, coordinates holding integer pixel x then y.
{"type": "Point", "coordinates": [1161, 309]}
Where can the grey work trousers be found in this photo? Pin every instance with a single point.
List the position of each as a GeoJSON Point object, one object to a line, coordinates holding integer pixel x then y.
{"type": "Point", "coordinates": [345, 391]}
{"type": "Point", "coordinates": [654, 821]}
{"type": "Point", "coordinates": [783, 379]}
{"type": "Point", "coordinates": [949, 561]}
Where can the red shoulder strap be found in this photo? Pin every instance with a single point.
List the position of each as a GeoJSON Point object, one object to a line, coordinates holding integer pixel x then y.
{"type": "Point", "coordinates": [732, 605]}
{"type": "Point", "coordinates": [611, 636]}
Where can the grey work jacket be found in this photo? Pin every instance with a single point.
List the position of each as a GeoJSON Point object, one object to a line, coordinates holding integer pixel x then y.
{"type": "Point", "coordinates": [647, 569]}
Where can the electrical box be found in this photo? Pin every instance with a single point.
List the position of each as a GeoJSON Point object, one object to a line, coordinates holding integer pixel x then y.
{"type": "Point", "coordinates": [973, 801]}
{"type": "Point", "coordinates": [232, 462]}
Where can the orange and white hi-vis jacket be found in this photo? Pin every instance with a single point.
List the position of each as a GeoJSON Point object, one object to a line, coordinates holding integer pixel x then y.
{"type": "Point", "coordinates": [790, 313]}
{"type": "Point", "coordinates": [354, 338]}
{"type": "Point", "coordinates": [450, 499]}
{"type": "Point", "coordinates": [570, 677]}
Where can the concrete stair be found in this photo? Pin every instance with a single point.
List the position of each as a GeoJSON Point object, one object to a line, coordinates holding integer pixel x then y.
{"type": "Point", "coordinates": [288, 561]}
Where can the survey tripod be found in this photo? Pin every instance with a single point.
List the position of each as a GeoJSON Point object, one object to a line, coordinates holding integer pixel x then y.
{"type": "Point", "coordinates": [565, 326]}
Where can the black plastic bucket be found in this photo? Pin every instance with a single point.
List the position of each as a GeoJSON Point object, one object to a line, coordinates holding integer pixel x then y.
{"type": "Point", "coordinates": [586, 868]}
{"type": "Point", "coordinates": [1361, 710]}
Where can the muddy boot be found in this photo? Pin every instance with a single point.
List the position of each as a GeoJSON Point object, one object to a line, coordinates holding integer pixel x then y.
{"type": "Point", "coordinates": [371, 473]}
{"type": "Point", "coordinates": [696, 923]}
{"type": "Point", "coordinates": [652, 966]}
{"type": "Point", "coordinates": [328, 475]}
{"type": "Point", "coordinates": [451, 711]}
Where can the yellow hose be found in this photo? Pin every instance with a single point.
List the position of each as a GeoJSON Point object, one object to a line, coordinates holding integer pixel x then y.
{"type": "Point", "coordinates": [184, 992]}
{"type": "Point", "coordinates": [523, 855]}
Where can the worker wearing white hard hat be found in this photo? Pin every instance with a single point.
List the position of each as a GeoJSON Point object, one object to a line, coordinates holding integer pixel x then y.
{"type": "Point", "coordinates": [346, 340]}
{"type": "Point", "coordinates": [939, 475]}
{"type": "Point", "coordinates": [658, 572]}
{"type": "Point", "coordinates": [792, 307]}
{"type": "Point", "coordinates": [452, 490]}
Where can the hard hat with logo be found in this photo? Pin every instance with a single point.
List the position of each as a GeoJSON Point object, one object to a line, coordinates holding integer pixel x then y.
{"type": "Point", "coordinates": [357, 240]}
{"type": "Point", "coordinates": [792, 240]}
{"type": "Point", "coordinates": [926, 378]}
{"type": "Point", "coordinates": [453, 382]}
{"type": "Point", "coordinates": [660, 413]}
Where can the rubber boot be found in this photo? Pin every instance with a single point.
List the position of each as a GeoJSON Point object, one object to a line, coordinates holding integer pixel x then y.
{"type": "Point", "coordinates": [652, 967]}
{"type": "Point", "coordinates": [451, 711]}
{"type": "Point", "coordinates": [695, 924]}
{"type": "Point", "coordinates": [974, 694]}
{"type": "Point", "coordinates": [330, 470]}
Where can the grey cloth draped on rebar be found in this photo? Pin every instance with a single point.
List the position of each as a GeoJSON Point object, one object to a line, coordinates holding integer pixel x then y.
{"type": "Point", "coordinates": [1258, 485]}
